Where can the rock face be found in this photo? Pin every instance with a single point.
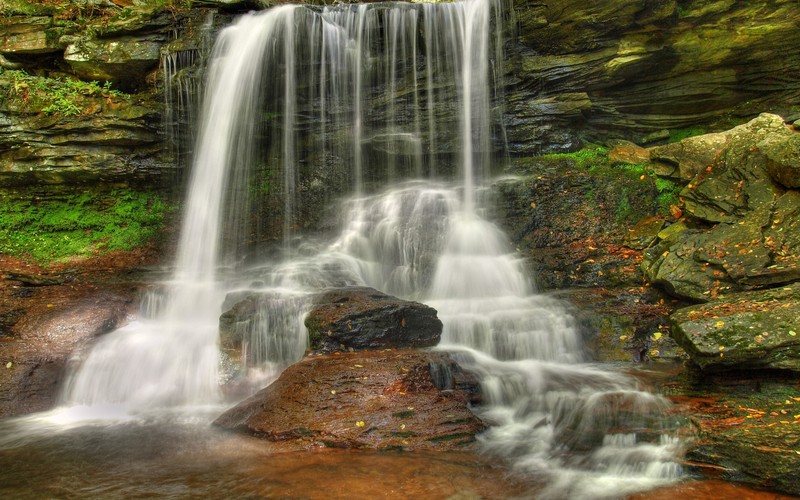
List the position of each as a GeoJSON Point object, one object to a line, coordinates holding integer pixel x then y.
{"type": "Point", "coordinates": [573, 70]}
{"type": "Point", "coordinates": [372, 399]}
{"type": "Point", "coordinates": [604, 69]}
{"type": "Point", "coordinates": [753, 330]}
{"type": "Point", "coordinates": [364, 318]}
{"type": "Point", "coordinates": [743, 225]}
{"type": "Point", "coordinates": [35, 356]}
{"type": "Point", "coordinates": [112, 139]}
{"type": "Point", "coordinates": [56, 131]}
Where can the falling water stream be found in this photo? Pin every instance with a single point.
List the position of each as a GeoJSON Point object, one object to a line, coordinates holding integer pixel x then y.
{"type": "Point", "coordinates": [295, 90]}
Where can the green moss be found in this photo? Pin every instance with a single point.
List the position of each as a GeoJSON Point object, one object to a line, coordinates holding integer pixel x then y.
{"type": "Point", "coordinates": [680, 134]}
{"type": "Point", "coordinates": [79, 225]}
{"type": "Point", "coordinates": [586, 157]}
{"type": "Point", "coordinates": [668, 194]}
{"type": "Point", "coordinates": [53, 96]}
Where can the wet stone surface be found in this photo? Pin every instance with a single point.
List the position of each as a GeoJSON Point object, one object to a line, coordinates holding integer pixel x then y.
{"type": "Point", "coordinates": [391, 399]}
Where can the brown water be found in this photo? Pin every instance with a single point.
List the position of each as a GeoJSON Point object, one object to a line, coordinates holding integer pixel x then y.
{"type": "Point", "coordinates": [163, 460]}
{"type": "Point", "coordinates": [195, 461]}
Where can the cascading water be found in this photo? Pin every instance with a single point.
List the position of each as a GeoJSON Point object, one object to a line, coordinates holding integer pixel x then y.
{"type": "Point", "coordinates": [381, 89]}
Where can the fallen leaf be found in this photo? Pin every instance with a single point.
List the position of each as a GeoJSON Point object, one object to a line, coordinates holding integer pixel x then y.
{"type": "Point", "coordinates": [9, 364]}
{"type": "Point", "coordinates": [360, 423]}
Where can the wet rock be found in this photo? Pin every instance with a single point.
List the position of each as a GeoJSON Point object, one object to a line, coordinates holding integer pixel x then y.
{"type": "Point", "coordinates": [647, 66]}
{"type": "Point", "coordinates": [370, 399]}
{"type": "Point", "coordinates": [685, 159]}
{"type": "Point", "coordinates": [112, 139]}
{"type": "Point", "coordinates": [364, 318]}
{"type": "Point", "coordinates": [754, 330]}
{"type": "Point", "coordinates": [34, 361]}
{"type": "Point", "coordinates": [35, 35]}
{"type": "Point", "coordinates": [626, 152]}
{"type": "Point", "coordinates": [259, 328]}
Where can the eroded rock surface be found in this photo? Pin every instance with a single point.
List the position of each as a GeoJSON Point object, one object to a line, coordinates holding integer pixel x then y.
{"type": "Point", "coordinates": [754, 330]}
{"type": "Point", "coordinates": [34, 358]}
{"type": "Point", "coordinates": [389, 399]}
{"type": "Point", "coordinates": [743, 224]}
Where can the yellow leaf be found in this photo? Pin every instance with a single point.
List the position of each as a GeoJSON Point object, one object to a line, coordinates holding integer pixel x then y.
{"type": "Point", "coordinates": [719, 324]}
{"type": "Point", "coordinates": [358, 366]}
{"type": "Point", "coordinates": [333, 392]}
{"type": "Point", "coordinates": [9, 364]}
{"type": "Point", "coordinates": [623, 338]}
{"type": "Point", "coordinates": [792, 333]}
{"type": "Point", "coordinates": [656, 336]}
{"type": "Point", "coordinates": [402, 426]}
{"type": "Point", "coordinates": [360, 423]}
{"type": "Point", "coordinates": [722, 348]}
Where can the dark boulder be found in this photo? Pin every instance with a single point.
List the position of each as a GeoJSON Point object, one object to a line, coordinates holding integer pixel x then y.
{"type": "Point", "coordinates": [364, 318]}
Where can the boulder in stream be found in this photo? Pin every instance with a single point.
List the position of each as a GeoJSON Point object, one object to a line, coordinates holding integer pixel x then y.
{"type": "Point", "coordinates": [364, 318]}
{"type": "Point", "coordinates": [390, 399]}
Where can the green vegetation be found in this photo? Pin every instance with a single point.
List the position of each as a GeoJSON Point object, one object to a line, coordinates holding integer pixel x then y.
{"type": "Point", "coordinates": [80, 225]}
{"type": "Point", "coordinates": [53, 96]}
{"type": "Point", "coordinates": [621, 186]}
{"type": "Point", "coordinates": [680, 134]}
{"type": "Point", "coordinates": [587, 157]}
{"type": "Point", "coordinates": [668, 194]}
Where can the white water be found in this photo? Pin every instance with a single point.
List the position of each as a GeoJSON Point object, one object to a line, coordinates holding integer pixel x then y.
{"type": "Point", "coordinates": [584, 431]}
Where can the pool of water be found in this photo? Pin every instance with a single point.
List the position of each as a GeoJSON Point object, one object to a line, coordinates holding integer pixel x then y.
{"type": "Point", "coordinates": [191, 459]}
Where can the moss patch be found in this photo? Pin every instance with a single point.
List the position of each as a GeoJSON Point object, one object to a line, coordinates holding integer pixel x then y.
{"type": "Point", "coordinates": [52, 96]}
{"type": "Point", "coordinates": [80, 225]}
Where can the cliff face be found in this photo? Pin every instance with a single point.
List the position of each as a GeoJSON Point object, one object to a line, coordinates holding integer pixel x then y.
{"type": "Point", "coordinates": [628, 69]}
{"type": "Point", "coordinates": [574, 70]}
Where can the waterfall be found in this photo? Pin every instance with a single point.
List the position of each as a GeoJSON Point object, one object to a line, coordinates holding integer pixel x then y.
{"type": "Point", "coordinates": [359, 100]}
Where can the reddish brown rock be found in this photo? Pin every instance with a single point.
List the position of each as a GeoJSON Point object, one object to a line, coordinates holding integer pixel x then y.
{"type": "Point", "coordinates": [371, 399]}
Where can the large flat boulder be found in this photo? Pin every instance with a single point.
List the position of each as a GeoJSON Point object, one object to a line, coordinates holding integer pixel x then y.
{"type": "Point", "coordinates": [391, 399]}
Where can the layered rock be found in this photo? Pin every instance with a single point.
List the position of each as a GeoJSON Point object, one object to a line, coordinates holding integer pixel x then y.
{"type": "Point", "coordinates": [743, 226]}
{"type": "Point", "coordinates": [753, 330]}
{"type": "Point", "coordinates": [112, 139]}
{"type": "Point", "coordinates": [629, 70]}
{"type": "Point", "coordinates": [385, 399]}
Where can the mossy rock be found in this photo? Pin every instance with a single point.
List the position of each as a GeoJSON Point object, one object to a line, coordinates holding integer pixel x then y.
{"type": "Point", "coordinates": [753, 330]}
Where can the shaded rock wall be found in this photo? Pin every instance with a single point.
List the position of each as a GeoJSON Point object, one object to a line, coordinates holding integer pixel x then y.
{"type": "Point", "coordinates": [574, 71]}
{"type": "Point", "coordinates": [625, 69]}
